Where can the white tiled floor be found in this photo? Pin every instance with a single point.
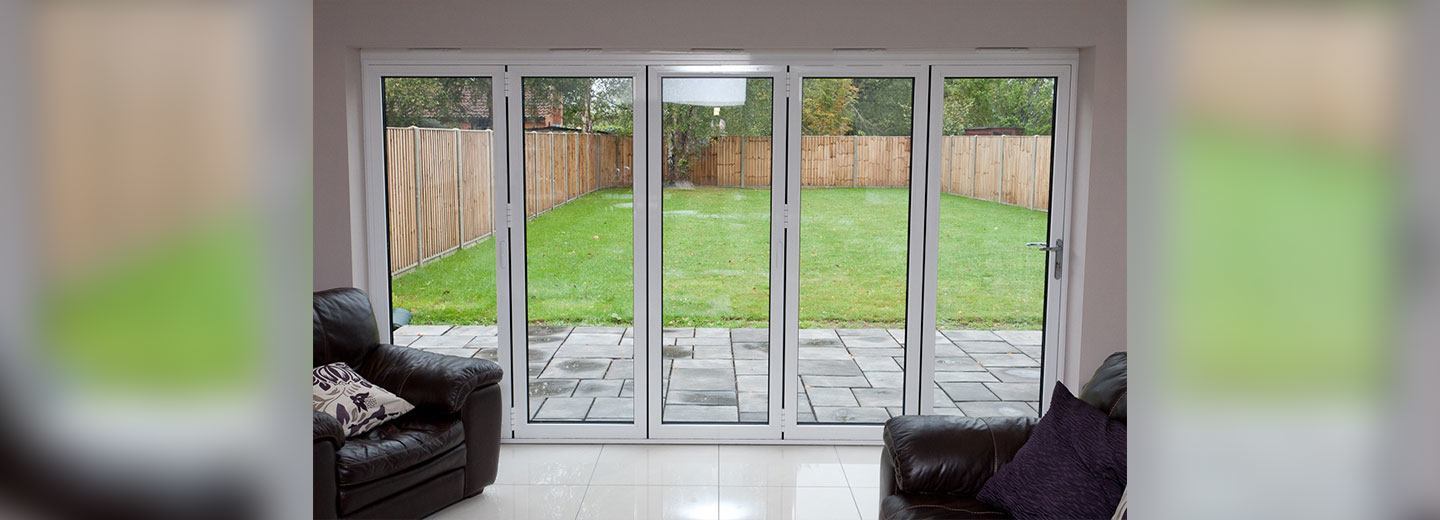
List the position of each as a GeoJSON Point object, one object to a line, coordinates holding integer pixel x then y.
{"type": "Point", "coordinates": [683, 482]}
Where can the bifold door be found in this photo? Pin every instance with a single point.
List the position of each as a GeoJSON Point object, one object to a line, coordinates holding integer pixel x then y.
{"type": "Point", "coordinates": [715, 252]}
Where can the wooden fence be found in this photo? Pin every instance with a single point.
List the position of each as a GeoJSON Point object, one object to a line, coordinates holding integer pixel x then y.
{"type": "Point", "coordinates": [1008, 169]}
{"type": "Point", "coordinates": [453, 206]}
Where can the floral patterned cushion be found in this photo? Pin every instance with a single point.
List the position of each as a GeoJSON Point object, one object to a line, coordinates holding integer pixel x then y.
{"type": "Point", "coordinates": [358, 404]}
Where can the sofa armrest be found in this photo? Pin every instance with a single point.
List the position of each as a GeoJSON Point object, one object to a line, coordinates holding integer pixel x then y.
{"type": "Point", "coordinates": [950, 455]}
{"type": "Point", "coordinates": [426, 378]}
{"type": "Point", "coordinates": [328, 429]}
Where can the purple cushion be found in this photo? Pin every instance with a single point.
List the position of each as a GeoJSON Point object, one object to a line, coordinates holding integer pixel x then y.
{"type": "Point", "coordinates": [1073, 465]}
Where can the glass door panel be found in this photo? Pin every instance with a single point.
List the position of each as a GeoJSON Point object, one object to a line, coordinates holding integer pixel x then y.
{"type": "Point", "coordinates": [579, 248]}
{"type": "Point", "coordinates": [995, 189]}
{"type": "Point", "coordinates": [441, 191]}
{"type": "Point", "coordinates": [716, 137]}
{"type": "Point", "coordinates": [854, 205]}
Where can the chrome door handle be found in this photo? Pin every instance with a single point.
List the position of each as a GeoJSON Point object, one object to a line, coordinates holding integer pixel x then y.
{"type": "Point", "coordinates": [1058, 249]}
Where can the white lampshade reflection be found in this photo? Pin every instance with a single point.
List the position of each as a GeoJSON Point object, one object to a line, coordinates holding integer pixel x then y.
{"type": "Point", "coordinates": [710, 92]}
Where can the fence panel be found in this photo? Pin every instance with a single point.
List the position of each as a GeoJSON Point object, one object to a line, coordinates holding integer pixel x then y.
{"type": "Point", "coordinates": [440, 181]}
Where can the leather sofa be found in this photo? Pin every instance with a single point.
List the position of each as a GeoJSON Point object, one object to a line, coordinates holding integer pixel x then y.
{"type": "Point", "coordinates": [444, 450]}
{"type": "Point", "coordinates": [933, 466]}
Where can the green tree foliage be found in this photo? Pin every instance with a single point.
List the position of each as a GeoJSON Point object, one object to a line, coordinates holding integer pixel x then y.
{"type": "Point", "coordinates": [883, 106]}
{"type": "Point", "coordinates": [826, 106]}
{"type": "Point", "coordinates": [1025, 103]}
{"type": "Point", "coordinates": [438, 102]}
{"type": "Point", "coordinates": [589, 104]}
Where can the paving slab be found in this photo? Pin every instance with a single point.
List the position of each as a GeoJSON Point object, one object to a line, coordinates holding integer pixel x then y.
{"type": "Point", "coordinates": [995, 409]}
{"type": "Point", "coordinates": [404, 341]}
{"type": "Point", "coordinates": [958, 364]}
{"type": "Point", "coordinates": [599, 330]}
{"type": "Point", "coordinates": [886, 379]}
{"type": "Point", "coordinates": [836, 381]}
{"type": "Point", "coordinates": [457, 352]}
{"type": "Point", "coordinates": [1015, 391]}
{"type": "Point", "coordinates": [702, 379]}
{"type": "Point", "coordinates": [850, 414]}
{"type": "Point", "coordinates": [564, 409]}
{"type": "Point", "coordinates": [855, 342]}
{"type": "Point", "coordinates": [1016, 375]}
{"type": "Point", "coordinates": [621, 369]}
{"type": "Point", "coordinates": [824, 353]}
{"type": "Point", "coordinates": [676, 352]}
{"type": "Point", "coordinates": [749, 335]}
{"type": "Point", "coordinates": [709, 397]}
{"type": "Point", "coordinates": [971, 335]}
{"type": "Point", "coordinates": [576, 368]}
{"type": "Point", "coordinates": [752, 366]}
{"type": "Point", "coordinates": [877, 364]}
{"type": "Point", "coordinates": [598, 388]}
{"type": "Point", "coordinates": [887, 397]}
{"type": "Point", "coordinates": [576, 338]}
{"type": "Point", "coordinates": [704, 340]}
{"type": "Point", "coordinates": [831, 397]}
{"type": "Point", "coordinates": [751, 350]}
{"type": "Point", "coordinates": [1021, 337]}
{"type": "Point", "coordinates": [582, 350]}
{"type": "Point", "coordinates": [422, 330]}
{"type": "Point", "coordinates": [968, 392]}
{"type": "Point", "coordinates": [752, 383]}
{"type": "Point", "coordinates": [612, 409]}
{"type": "Point", "coordinates": [1004, 360]}
{"type": "Point", "coordinates": [473, 330]}
{"type": "Point", "coordinates": [964, 377]}
{"type": "Point", "coordinates": [693, 413]}
{"type": "Point", "coordinates": [986, 347]}
{"type": "Point", "coordinates": [442, 341]}
{"type": "Point", "coordinates": [828, 367]}
{"type": "Point", "coordinates": [713, 352]}
{"type": "Point", "coordinates": [553, 387]}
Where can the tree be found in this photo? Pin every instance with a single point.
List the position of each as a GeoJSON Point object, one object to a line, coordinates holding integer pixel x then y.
{"type": "Point", "coordinates": [883, 106]}
{"type": "Point", "coordinates": [689, 129]}
{"type": "Point", "coordinates": [825, 107]}
{"type": "Point", "coordinates": [438, 102]}
{"type": "Point", "coordinates": [1024, 103]}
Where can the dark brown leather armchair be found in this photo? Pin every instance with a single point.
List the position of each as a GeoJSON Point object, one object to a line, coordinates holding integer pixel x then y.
{"type": "Point", "coordinates": [933, 466]}
{"type": "Point", "coordinates": [444, 450]}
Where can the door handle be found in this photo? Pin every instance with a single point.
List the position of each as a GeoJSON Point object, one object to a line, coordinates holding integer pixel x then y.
{"type": "Point", "coordinates": [1058, 249]}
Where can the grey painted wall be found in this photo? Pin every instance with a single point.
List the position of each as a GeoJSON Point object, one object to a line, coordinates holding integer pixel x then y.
{"type": "Point", "coordinates": [1097, 27]}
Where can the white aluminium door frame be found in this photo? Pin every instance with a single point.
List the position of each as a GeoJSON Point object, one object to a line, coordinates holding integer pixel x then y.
{"type": "Point", "coordinates": [1059, 224]}
{"type": "Point", "coordinates": [377, 214]}
{"type": "Point", "coordinates": [914, 262]}
{"type": "Point", "coordinates": [523, 426]}
{"type": "Point", "coordinates": [771, 430]}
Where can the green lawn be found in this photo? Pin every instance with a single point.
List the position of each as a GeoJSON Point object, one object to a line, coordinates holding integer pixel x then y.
{"type": "Point", "coordinates": [716, 244]}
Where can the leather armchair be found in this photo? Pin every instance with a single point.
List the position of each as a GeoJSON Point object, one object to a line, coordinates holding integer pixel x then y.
{"type": "Point", "coordinates": [446, 449]}
{"type": "Point", "coordinates": [933, 466]}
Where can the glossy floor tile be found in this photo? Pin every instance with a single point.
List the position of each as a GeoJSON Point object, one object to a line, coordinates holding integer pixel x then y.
{"type": "Point", "coordinates": [682, 482]}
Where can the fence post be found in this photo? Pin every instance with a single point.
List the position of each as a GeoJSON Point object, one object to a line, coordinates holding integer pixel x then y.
{"type": "Point", "coordinates": [459, 194]}
{"type": "Point", "coordinates": [974, 165]}
{"type": "Point", "coordinates": [1000, 179]}
{"type": "Point", "coordinates": [742, 160]}
{"type": "Point", "coordinates": [419, 229]}
{"type": "Point", "coordinates": [854, 160]}
{"type": "Point", "coordinates": [1034, 167]}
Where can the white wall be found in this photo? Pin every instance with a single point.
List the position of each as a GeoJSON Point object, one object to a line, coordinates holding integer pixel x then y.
{"type": "Point", "coordinates": [1097, 27]}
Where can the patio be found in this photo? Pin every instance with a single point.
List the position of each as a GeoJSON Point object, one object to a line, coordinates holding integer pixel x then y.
{"type": "Point", "coordinates": [716, 375]}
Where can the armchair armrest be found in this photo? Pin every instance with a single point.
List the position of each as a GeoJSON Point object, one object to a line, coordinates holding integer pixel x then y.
{"type": "Point", "coordinates": [950, 455]}
{"type": "Point", "coordinates": [327, 429]}
{"type": "Point", "coordinates": [427, 378]}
